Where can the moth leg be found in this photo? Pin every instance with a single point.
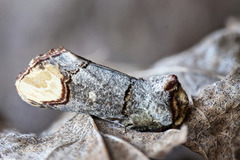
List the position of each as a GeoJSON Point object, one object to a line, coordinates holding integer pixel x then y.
{"type": "Point", "coordinates": [125, 127]}
{"type": "Point", "coordinates": [143, 122]}
{"type": "Point", "coordinates": [113, 119]}
{"type": "Point", "coordinates": [153, 127]}
{"type": "Point", "coordinates": [126, 123]}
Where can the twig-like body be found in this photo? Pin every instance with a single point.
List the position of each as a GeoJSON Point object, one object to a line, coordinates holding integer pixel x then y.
{"type": "Point", "coordinates": [61, 80]}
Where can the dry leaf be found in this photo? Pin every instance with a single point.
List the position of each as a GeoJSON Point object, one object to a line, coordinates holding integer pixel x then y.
{"type": "Point", "coordinates": [78, 138]}
{"type": "Point", "coordinates": [122, 150]}
{"type": "Point", "coordinates": [153, 144]}
{"type": "Point", "coordinates": [214, 121]}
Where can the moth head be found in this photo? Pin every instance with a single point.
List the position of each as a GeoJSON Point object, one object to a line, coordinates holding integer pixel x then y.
{"type": "Point", "coordinates": [170, 86]}
{"type": "Point", "coordinates": [179, 102]}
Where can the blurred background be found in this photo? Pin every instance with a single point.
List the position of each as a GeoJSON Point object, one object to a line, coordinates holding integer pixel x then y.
{"type": "Point", "coordinates": [127, 35]}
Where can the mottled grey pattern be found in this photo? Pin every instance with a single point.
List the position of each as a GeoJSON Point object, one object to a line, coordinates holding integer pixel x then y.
{"type": "Point", "coordinates": [106, 93]}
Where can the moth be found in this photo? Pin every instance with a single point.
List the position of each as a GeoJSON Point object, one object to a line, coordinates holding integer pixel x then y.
{"type": "Point", "coordinates": [62, 80]}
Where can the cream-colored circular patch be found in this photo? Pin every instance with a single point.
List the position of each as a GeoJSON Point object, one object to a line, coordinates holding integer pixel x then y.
{"type": "Point", "coordinates": [42, 84]}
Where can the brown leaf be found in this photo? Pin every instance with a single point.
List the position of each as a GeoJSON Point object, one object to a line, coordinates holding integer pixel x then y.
{"type": "Point", "coordinates": [78, 138]}
{"type": "Point", "coordinates": [122, 150]}
{"type": "Point", "coordinates": [214, 121]}
{"type": "Point", "coordinates": [153, 144]}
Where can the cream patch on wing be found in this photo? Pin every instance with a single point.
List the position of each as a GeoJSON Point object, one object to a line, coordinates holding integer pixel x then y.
{"type": "Point", "coordinates": [42, 84]}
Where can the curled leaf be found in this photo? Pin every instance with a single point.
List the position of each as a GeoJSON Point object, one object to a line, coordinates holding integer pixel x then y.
{"type": "Point", "coordinates": [214, 120]}
{"type": "Point", "coordinates": [122, 150]}
{"type": "Point", "coordinates": [78, 138]}
{"type": "Point", "coordinates": [153, 144]}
